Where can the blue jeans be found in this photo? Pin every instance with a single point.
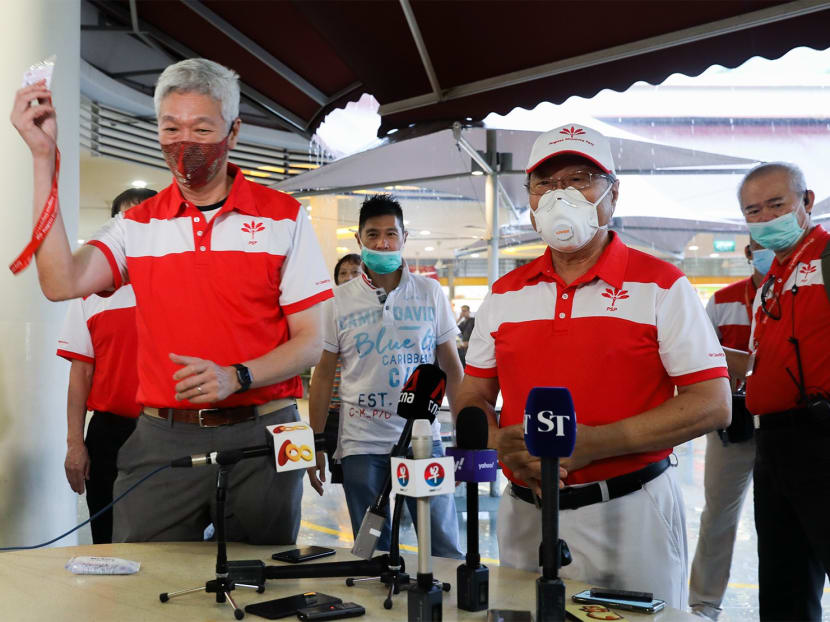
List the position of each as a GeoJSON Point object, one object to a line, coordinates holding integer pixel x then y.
{"type": "Point", "coordinates": [363, 477]}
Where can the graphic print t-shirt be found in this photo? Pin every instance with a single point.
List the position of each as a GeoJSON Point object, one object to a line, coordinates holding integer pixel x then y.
{"type": "Point", "coordinates": [380, 344]}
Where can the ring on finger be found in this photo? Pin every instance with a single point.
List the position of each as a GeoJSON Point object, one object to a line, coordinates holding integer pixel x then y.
{"type": "Point", "coordinates": [199, 388]}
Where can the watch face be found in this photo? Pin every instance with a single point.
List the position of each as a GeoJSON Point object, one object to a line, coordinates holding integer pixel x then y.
{"type": "Point", "coordinates": [243, 374]}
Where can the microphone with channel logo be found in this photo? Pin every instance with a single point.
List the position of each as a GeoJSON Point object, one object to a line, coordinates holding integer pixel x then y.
{"type": "Point", "coordinates": [420, 398]}
{"type": "Point", "coordinates": [550, 433]}
{"type": "Point", "coordinates": [474, 463]}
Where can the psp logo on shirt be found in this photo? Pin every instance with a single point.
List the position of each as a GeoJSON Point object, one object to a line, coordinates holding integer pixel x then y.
{"type": "Point", "coordinates": [403, 474]}
{"type": "Point", "coordinates": [434, 474]}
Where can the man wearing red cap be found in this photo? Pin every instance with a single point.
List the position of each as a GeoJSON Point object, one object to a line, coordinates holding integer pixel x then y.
{"type": "Point", "coordinates": [622, 331]}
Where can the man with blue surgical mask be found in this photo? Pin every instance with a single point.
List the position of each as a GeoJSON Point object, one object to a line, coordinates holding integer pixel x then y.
{"type": "Point", "coordinates": [382, 325]}
{"type": "Point", "coordinates": [626, 334]}
{"type": "Point", "coordinates": [730, 453]}
{"type": "Point", "coordinates": [787, 373]}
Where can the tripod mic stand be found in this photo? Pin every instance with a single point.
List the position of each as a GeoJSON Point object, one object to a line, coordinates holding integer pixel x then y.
{"type": "Point", "coordinates": [224, 583]}
{"type": "Point", "coordinates": [389, 569]}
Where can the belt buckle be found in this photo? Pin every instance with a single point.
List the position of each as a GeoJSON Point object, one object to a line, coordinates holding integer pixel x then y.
{"type": "Point", "coordinates": [201, 411]}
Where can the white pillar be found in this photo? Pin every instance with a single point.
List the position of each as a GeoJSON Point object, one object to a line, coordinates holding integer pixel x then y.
{"type": "Point", "coordinates": [36, 502]}
{"type": "Point", "coordinates": [491, 210]}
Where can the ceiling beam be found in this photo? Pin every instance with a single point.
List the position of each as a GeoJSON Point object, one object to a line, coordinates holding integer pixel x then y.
{"type": "Point", "coordinates": [422, 49]}
{"type": "Point", "coordinates": [296, 124]}
{"type": "Point", "coordinates": [753, 19]}
{"type": "Point", "coordinates": [265, 57]}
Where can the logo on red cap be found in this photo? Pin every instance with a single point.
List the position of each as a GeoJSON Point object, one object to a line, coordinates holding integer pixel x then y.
{"type": "Point", "coordinates": [572, 131]}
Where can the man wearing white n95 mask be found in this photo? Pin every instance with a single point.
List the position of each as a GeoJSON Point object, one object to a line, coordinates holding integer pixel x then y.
{"type": "Point", "coordinates": [621, 330]}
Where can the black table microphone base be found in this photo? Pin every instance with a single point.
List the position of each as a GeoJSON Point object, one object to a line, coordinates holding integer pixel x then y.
{"type": "Point", "coordinates": [473, 587]}
{"type": "Point", "coordinates": [550, 600]}
{"type": "Point", "coordinates": [424, 603]}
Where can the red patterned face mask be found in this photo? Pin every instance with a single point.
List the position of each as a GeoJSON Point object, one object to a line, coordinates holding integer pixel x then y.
{"type": "Point", "coordinates": [195, 164]}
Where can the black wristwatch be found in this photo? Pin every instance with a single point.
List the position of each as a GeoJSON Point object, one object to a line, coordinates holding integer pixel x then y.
{"type": "Point", "coordinates": [243, 375]}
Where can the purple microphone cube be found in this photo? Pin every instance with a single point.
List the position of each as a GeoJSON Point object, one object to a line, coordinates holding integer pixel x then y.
{"type": "Point", "coordinates": [474, 465]}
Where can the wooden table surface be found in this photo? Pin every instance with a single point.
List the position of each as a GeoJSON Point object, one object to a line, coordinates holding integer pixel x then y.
{"type": "Point", "coordinates": [34, 585]}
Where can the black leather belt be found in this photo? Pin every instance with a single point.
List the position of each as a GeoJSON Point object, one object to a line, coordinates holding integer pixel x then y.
{"type": "Point", "coordinates": [795, 418]}
{"type": "Point", "coordinates": [571, 498]}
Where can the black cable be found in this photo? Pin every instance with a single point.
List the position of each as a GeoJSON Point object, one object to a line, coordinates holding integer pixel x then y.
{"type": "Point", "coordinates": [93, 517]}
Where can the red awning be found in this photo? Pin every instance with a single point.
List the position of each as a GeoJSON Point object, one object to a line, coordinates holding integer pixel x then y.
{"type": "Point", "coordinates": [301, 59]}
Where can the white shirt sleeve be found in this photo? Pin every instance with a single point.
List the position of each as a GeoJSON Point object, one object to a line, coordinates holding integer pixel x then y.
{"type": "Point", "coordinates": [331, 340]}
{"type": "Point", "coordinates": [445, 326]}
{"type": "Point", "coordinates": [111, 239]}
{"type": "Point", "coordinates": [688, 343]}
{"type": "Point", "coordinates": [304, 279]}
{"type": "Point", "coordinates": [481, 352]}
{"type": "Point", "coordinates": [74, 340]}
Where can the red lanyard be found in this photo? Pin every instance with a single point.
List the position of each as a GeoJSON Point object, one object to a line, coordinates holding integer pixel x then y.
{"type": "Point", "coordinates": [44, 222]}
{"type": "Point", "coordinates": [761, 318]}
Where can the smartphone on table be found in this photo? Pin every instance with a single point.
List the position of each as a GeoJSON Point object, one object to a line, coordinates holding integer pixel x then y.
{"type": "Point", "coordinates": [652, 606]}
{"type": "Point", "coordinates": [290, 605]}
{"type": "Point", "coordinates": [295, 556]}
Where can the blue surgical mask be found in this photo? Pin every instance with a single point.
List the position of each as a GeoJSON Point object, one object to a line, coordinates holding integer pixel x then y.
{"type": "Point", "coordinates": [777, 234]}
{"type": "Point", "coordinates": [762, 259]}
{"type": "Point", "coordinates": [382, 262]}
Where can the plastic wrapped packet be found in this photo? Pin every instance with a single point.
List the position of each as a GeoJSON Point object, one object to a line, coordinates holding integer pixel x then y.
{"type": "Point", "coordinates": [101, 565]}
{"type": "Point", "coordinates": [40, 71]}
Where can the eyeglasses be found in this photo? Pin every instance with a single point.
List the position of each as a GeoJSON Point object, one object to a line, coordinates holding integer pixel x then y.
{"type": "Point", "coordinates": [578, 179]}
{"type": "Point", "coordinates": [775, 304]}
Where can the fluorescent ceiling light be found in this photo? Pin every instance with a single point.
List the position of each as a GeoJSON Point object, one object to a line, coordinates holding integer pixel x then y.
{"type": "Point", "coordinates": [138, 183]}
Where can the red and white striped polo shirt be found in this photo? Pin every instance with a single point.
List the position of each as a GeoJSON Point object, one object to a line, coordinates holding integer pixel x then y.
{"type": "Point", "coordinates": [803, 310]}
{"type": "Point", "coordinates": [101, 330]}
{"type": "Point", "coordinates": [218, 290]}
{"type": "Point", "coordinates": [621, 337]}
{"type": "Point", "coordinates": [730, 310]}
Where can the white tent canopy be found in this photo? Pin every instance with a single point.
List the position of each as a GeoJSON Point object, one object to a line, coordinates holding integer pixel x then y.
{"type": "Point", "coordinates": [434, 161]}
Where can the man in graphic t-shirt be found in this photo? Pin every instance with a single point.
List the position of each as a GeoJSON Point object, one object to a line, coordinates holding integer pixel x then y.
{"type": "Point", "coordinates": [382, 325]}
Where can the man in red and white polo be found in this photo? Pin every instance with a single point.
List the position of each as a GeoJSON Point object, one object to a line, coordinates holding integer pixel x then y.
{"type": "Point", "coordinates": [99, 339]}
{"type": "Point", "coordinates": [729, 460]}
{"type": "Point", "coordinates": [228, 277]}
{"type": "Point", "coordinates": [622, 330]}
{"type": "Point", "coordinates": [788, 389]}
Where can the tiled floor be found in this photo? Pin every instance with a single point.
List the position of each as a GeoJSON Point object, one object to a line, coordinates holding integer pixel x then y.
{"type": "Point", "coordinates": [326, 522]}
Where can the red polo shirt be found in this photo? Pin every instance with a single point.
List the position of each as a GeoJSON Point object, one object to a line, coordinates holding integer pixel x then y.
{"type": "Point", "coordinates": [804, 315]}
{"type": "Point", "coordinates": [621, 337]}
{"type": "Point", "coordinates": [218, 290]}
{"type": "Point", "coordinates": [101, 330]}
{"type": "Point", "coordinates": [730, 310]}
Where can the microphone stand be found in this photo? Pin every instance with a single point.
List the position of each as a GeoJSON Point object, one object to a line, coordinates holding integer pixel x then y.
{"type": "Point", "coordinates": [389, 569]}
{"type": "Point", "coordinates": [550, 589]}
{"type": "Point", "coordinates": [224, 582]}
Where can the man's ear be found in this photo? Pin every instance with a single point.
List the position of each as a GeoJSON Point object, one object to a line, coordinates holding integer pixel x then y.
{"type": "Point", "coordinates": [357, 238]}
{"type": "Point", "coordinates": [809, 198]}
{"type": "Point", "coordinates": [233, 135]}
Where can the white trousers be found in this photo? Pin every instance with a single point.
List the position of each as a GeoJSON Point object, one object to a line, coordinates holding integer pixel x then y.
{"type": "Point", "coordinates": [635, 542]}
{"type": "Point", "coordinates": [726, 479]}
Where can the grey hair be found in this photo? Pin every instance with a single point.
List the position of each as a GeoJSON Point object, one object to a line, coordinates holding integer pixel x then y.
{"type": "Point", "coordinates": [797, 182]}
{"type": "Point", "coordinates": [203, 76]}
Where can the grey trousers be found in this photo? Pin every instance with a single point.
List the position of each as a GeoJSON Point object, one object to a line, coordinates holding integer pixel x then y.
{"type": "Point", "coordinates": [262, 506]}
{"type": "Point", "coordinates": [726, 479]}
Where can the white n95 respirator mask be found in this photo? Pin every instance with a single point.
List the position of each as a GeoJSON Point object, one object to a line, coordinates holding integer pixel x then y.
{"type": "Point", "coordinates": [566, 220]}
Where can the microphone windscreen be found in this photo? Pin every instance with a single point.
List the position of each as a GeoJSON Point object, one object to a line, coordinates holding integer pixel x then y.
{"type": "Point", "coordinates": [471, 428]}
{"type": "Point", "coordinates": [550, 422]}
{"type": "Point", "coordinates": [423, 393]}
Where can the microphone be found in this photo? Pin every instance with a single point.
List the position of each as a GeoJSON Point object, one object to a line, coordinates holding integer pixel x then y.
{"type": "Point", "coordinates": [550, 433]}
{"type": "Point", "coordinates": [232, 456]}
{"type": "Point", "coordinates": [423, 599]}
{"type": "Point", "coordinates": [420, 398]}
{"type": "Point", "coordinates": [474, 463]}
